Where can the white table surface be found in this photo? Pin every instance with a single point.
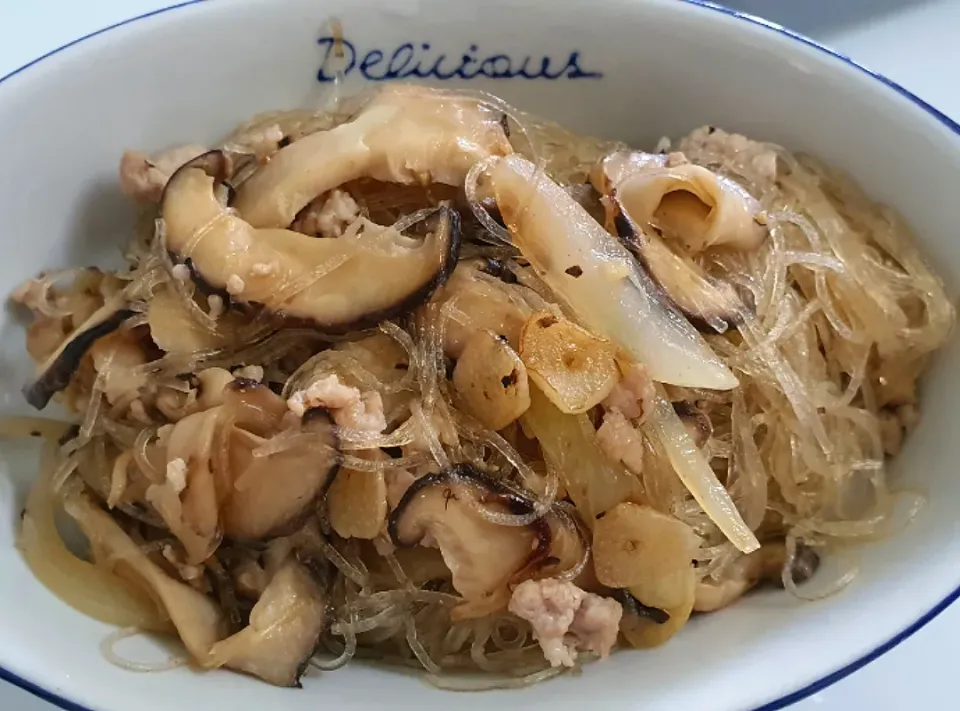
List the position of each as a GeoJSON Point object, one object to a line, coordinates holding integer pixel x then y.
{"type": "Point", "coordinates": [913, 42]}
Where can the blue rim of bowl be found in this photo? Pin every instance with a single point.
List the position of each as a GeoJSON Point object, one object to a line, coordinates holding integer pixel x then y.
{"type": "Point", "coordinates": [783, 701]}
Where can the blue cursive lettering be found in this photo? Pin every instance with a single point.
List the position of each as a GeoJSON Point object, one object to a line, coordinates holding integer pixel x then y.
{"type": "Point", "coordinates": [409, 60]}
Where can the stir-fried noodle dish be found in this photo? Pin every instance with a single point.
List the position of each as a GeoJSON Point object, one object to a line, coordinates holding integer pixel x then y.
{"type": "Point", "coordinates": [426, 380]}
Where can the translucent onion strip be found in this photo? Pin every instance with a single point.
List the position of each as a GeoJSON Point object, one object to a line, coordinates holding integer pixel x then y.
{"type": "Point", "coordinates": [84, 586]}
{"type": "Point", "coordinates": [747, 481]}
{"type": "Point", "coordinates": [695, 473]}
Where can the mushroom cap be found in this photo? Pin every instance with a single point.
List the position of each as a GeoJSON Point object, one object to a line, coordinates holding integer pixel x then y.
{"type": "Point", "coordinates": [687, 202]}
{"type": "Point", "coordinates": [709, 304]}
{"type": "Point", "coordinates": [337, 285]}
{"type": "Point", "coordinates": [284, 629]}
{"type": "Point", "coordinates": [271, 495]}
{"type": "Point", "coordinates": [403, 134]}
{"type": "Point", "coordinates": [484, 557]}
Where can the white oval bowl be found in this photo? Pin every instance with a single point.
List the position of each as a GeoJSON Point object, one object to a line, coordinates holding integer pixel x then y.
{"type": "Point", "coordinates": [190, 73]}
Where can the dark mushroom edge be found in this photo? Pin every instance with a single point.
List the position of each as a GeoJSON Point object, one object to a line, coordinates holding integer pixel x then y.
{"type": "Point", "coordinates": [499, 269]}
{"type": "Point", "coordinates": [446, 219]}
{"type": "Point", "coordinates": [57, 370]}
{"type": "Point", "coordinates": [279, 504]}
{"type": "Point", "coordinates": [632, 606]}
{"type": "Point", "coordinates": [698, 424]}
{"type": "Point", "coordinates": [709, 305]}
{"type": "Point", "coordinates": [487, 490]}
{"type": "Point", "coordinates": [293, 614]}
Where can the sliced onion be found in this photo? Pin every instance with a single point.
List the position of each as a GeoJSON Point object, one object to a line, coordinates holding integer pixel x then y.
{"type": "Point", "coordinates": [594, 482]}
{"type": "Point", "coordinates": [695, 473]}
{"type": "Point", "coordinates": [87, 588]}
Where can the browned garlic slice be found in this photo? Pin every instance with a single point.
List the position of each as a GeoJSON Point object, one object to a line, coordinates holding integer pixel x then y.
{"type": "Point", "coordinates": [491, 381]}
{"type": "Point", "coordinates": [573, 368]}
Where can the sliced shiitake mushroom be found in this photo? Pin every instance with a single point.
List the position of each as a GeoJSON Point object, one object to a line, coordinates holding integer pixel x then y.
{"type": "Point", "coordinates": [98, 466]}
{"type": "Point", "coordinates": [644, 626]}
{"type": "Point", "coordinates": [421, 565]}
{"type": "Point", "coordinates": [569, 548]}
{"type": "Point", "coordinates": [806, 562]}
{"type": "Point", "coordinates": [374, 363]}
{"type": "Point", "coordinates": [498, 268]}
{"type": "Point", "coordinates": [708, 304]}
{"type": "Point", "coordinates": [484, 557]}
{"type": "Point", "coordinates": [174, 330]}
{"type": "Point", "coordinates": [54, 374]}
{"type": "Point", "coordinates": [633, 607]}
{"type": "Point", "coordinates": [325, 282]}
{"type": "Point", "coordinates": [245, 468]}
{"type": "Point", "coordinates": [404, 134]}
{"type": "Point", "coordinates": [197, 619]}
{"type": "Point", "coordinates": [284, 629]}
{"type": "Point", "coordinates": [643, 631]}
{"type": "Point", "coordinates": [186, 499]}
{"type": "Point", "coordinates": [574, 368]}
{"type": "Point", "coordinates": [271, 494]}
{"type": "Point", "coordinates": [687, 202]}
